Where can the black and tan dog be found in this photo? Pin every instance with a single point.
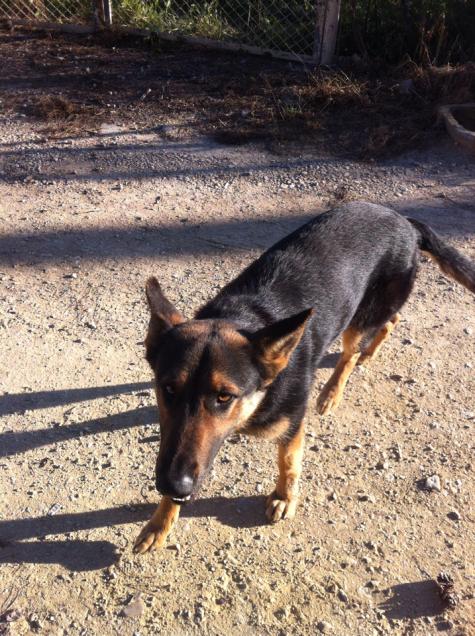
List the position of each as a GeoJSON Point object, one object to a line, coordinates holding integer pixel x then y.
{"type": "Point", "coordinates": [246, 362]}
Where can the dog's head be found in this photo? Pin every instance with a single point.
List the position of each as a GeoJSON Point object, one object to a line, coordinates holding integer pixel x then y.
{"type": "Point", "coordinates": [210, 378]}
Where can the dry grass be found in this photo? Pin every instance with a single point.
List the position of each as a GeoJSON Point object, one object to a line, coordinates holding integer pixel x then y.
{"type": "Point", "coordinates": [54, 108]}
{"type": "Point", "coordinates": [376, 115]}
{"type": "Point", "coordinates": [363, 112]}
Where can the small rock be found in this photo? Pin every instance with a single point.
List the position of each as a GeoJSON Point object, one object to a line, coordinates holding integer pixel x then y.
{"type": "Point", "coordinates": [432, 483]}
{"type": "Point", "coordinates": [54, 509]}
{"type": "Point", "coordinates": [324, 627]}
{"type": "Point", "coordinates": [468, 331]}
{"type": "Point", "coordinates": [73, 275]}
{"type": "Point", "coordinates": [10, 616]}
{"type": "Point", "coordinates": [35, 622]}
{"type": "Point", "coordinates": [135, 607]}
{"type": "Point", "coordinates": [366, 497]}
{"type": "Point", "coordinates": [342, 596]}
{"type": "Point", "coordinates": [199, 614]}
{"type": "Point", "coordinates": [454, 515]}
{"type": "Point", "coordinates": [176, 547]}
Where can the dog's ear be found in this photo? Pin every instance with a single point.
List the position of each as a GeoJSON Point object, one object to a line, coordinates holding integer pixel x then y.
{"type": "Point", "coordinates": [163, 316]}
{"type": "Point", "coordinates": [274, 344]}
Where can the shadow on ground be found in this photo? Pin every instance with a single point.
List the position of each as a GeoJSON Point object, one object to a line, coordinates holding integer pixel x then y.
{"type": "Point", "coordinates": [418, 599]}
{"type": "Point", "coordinates": [20, 402]}
{"type": "Point", "coordinates": [152, 241]}
{"type": "Point", "coordinates": [13, 442]}
{"type": "Point", "coordinates": [77, 554]}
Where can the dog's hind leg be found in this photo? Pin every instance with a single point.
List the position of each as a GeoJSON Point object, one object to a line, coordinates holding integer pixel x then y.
{"type": "Point", "coordinates": [282, 503]}
{"type": "Point", "coordinates": [155, 533]}
{"type": "Point", "coordinates": [377, 342]}
{"type": "Point", "coordinates": [331, 394]}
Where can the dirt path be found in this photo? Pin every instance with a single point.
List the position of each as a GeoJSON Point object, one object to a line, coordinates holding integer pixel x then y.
{"type": "Point", "coordinates": [83, 222]}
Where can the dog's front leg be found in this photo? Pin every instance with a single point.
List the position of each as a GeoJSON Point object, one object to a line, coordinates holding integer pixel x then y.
{"type": "Point", "coordinates": [282, 503]}
{"type": "Point", "coordinates": [155, 533]}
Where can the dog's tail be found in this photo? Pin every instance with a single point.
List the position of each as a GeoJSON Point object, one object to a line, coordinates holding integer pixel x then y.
{"type": "Point", "coordinates": [450, 261]}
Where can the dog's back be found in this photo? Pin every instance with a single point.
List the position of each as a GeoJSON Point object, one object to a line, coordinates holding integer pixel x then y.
{"type": "Point", "coordinates": [328, 264]}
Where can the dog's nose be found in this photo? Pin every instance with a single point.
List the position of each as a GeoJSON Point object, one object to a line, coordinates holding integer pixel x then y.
{"type": "Point", "coordinates": [176, 486]}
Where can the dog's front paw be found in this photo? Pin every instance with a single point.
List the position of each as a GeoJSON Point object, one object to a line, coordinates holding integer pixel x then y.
{"type": "Point", "coordinates": [278, 508]}
{"type": "Point", "coordinates": [328, 400]}
{"type": "Point", "coordinates": [150, 538]}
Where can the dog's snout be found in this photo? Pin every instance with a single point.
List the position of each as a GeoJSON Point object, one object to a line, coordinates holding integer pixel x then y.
{"type": "Point", "coordinates": [183, 485]}
{"type": "Point", "coordinates": [179, 486]}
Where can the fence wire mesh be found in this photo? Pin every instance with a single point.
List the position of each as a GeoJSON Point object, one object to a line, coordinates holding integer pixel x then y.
{"type": "Point", "coordinates": [53, 11]}
{"type": "Point", "coordinates": [284, 25]}
{"type": "Point", "coordinates": [287, 26]}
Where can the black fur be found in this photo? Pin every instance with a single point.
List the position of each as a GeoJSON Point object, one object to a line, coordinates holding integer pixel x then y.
{"type": "Point", "coordinates": [354, 265]}
{"type": "Point", "coordinates": [451, 262]}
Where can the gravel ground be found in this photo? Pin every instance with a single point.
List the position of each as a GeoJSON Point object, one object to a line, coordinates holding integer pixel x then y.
{"type": "Point", "coordinates": [84, 221]}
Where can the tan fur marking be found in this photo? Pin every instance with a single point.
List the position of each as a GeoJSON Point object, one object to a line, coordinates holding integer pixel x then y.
{"type": "Point", "coordinates": [375, 345]}
{"type": "Point", "coordinates": [155, 533]}
{"type": "Point", "coordinates": [332, 392]}
{"type": "Point", "coordinates": [282, 503]}
{"type": "Point", "coordinates": [273, 432]}
{"type": "Point", "coordinates": [219, 382]}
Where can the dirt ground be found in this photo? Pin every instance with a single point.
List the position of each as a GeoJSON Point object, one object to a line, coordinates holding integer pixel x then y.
{"type": "Point", "coordinates": [85, 218]}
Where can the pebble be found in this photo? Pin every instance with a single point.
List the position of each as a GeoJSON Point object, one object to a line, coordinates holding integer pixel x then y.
{"type": "Point", "coordinates": [454, 515]}
{"type": "Point", "coordinates": [324, 627]}
{"type": "Point", "coordinates": [366, 497]}
{"type": "Point", "coordinates": [199, 614]}
{"type": "Point", "coordinates": [135, 608]}
{"type": "Point", "coordinates": [54, 509]}
{"type": "Point", "coordinates": [342, 596]}
{"type": "Point", "coordinates": [176, 547]}
{"type": "Point", "coordinates": [433, 483]}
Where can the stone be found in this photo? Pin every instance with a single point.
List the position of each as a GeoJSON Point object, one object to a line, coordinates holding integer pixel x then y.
{"type": "Point", "coordinates": [342, 596]}
{"type": "Point", "coordinates": [433, 483]}
{"type": "Point", "coordinates": [324, 627]}
{"type": "Point", "coordinates": [134, 608]}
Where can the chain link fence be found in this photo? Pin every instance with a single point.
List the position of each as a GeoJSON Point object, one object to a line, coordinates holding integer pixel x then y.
{"type": "Point", "coordinates": [285, 28]}
{"type": "Point", "coordinates": [40, 11]}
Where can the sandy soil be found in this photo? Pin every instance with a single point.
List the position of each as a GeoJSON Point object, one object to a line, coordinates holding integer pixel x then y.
{"type": "Point", "coordinates": [84, 221]}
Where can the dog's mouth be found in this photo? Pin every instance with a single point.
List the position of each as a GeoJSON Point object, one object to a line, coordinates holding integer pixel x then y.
{"type": "Point", "coordinates": [181, 500]}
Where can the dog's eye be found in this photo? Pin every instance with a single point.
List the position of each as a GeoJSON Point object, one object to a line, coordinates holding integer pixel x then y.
{"type": "Point", "coordinates": [224, 398]}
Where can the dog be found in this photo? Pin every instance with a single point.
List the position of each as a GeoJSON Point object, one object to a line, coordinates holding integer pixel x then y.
{"type": "Point", "coordinates": [247, 360]}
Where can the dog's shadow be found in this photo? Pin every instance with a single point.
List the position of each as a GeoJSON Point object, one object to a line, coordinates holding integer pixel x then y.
{"type": "Point", "coordinates": [30, 540]}
{"type": "Point", "coordinates": [236, 512]}
{"type": "Point", "coordinates": [413, 600]}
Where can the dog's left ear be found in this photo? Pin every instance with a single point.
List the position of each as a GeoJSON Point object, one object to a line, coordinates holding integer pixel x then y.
{"type": "Point", "coordinates": [163, 316]}
{"type": "Point", "coordinates": [274, 344]}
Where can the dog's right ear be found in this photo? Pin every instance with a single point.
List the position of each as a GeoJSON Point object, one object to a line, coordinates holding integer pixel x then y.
{"type": "Point", "coordinates": [163, 316]}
